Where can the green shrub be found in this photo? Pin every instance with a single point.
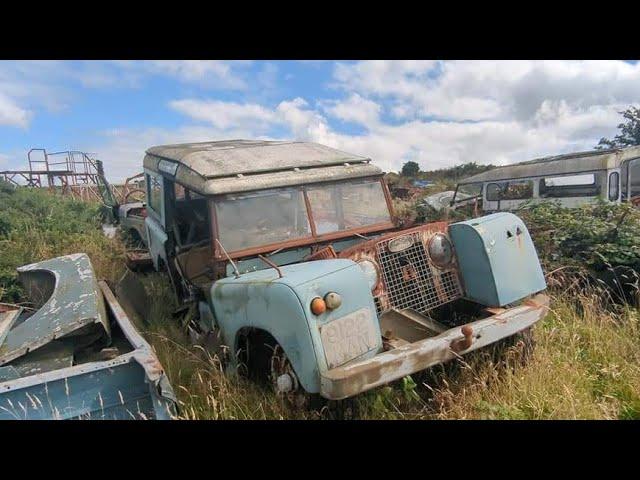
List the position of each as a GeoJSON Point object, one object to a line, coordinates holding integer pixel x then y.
{"type": "Point", "coordinates": [36, 225]}
{"type": "Point", "coordinates": [597, 236]}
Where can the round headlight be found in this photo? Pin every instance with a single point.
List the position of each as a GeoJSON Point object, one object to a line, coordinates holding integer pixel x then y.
{"type": "Point", "coordinates": [440, 250]}
{"type": "Point", "coordinates": [371, 272]}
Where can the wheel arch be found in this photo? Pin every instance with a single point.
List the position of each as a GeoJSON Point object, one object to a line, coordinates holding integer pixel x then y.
{"type": "Point", "coordinates": [273, 309]}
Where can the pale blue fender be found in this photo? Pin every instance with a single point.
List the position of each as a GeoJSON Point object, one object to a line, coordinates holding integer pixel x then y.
{"type": "Point", "coordinates": [497, 258]}
{"type": "Point", "coordinates": [281, 307]}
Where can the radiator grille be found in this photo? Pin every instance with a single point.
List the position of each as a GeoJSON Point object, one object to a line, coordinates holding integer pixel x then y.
{"type": "Point", "coordinates": [411, 281]}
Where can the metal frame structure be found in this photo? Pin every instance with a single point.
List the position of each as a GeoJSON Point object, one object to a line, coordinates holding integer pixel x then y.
{"type": "Point", "coordinates": [70, 172]}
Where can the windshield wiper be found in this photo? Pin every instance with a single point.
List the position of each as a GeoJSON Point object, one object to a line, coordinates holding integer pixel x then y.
{"type": "Point", "coordinates": [235, 267]}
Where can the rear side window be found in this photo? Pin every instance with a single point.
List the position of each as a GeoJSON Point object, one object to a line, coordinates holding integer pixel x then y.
{"type": "Point", "coordinates": [580, 185]}
{"type": "Point", "coordinates": [514, 190]}
{"type": "Point", "coordinates": [614, 186]}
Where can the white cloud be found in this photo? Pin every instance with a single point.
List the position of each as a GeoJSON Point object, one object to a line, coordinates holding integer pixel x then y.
{"type": "Point", "coordinates": [11, 114]}
{"type": "Point", "coordinates": [490, 90]}
{"type": "Point", "coordinates": [225, 115]}
{"type": "Point", "coordinates": [355, 109]}
{"type": "Point", "coordinates": [214, 73]}
{"type": "Point", "coordinates": [303, 122]}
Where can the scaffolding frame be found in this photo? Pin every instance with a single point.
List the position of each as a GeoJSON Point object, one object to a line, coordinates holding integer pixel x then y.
{"type": "Point", "coordinates": [71, 172]}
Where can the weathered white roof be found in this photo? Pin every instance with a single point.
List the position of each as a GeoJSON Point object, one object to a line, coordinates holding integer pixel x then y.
{"type": "Point", "coordinates": [231, 157]}
{"type": "Point", "coordinates": [241, 165]}
{"type": "Point", "coordinates": [558, 165]}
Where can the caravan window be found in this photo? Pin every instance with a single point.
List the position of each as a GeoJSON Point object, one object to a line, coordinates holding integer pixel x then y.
{"type": "Point", "coordinates": [514, 190]}
{"type": "Point", "coordinates": [614, 184]}
{"type": "Point", "coordinates": [580, 185]}
{"type": "Point", "coordinates": [632, 167]}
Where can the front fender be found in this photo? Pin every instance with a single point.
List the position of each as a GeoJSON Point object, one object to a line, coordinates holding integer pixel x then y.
{"type": "Point", "coordinates": [281, 306]}
{"type": "Point", "coordinates": [275, 308]}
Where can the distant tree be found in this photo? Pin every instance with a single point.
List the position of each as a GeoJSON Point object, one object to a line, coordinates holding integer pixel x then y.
{"type": "Point", "coordinates": [629, 131]}
{"type": "Point", "coordinates": [410, 169]}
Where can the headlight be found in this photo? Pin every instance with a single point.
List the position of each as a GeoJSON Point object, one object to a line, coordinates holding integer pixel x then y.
{"type": "Point", "coordinates": [371, 272]}
{"type": "Point", "coordinates": [440, 250]}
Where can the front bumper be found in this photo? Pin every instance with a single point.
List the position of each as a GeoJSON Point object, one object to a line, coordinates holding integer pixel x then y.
{"type": "Point", "coordinates": [351, 379]}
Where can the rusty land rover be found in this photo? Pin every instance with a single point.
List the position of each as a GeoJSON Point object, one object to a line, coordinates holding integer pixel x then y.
{"type": "Point", "coordinates": [294, 257]}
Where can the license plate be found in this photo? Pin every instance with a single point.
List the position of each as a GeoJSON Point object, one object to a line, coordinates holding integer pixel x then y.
{"type": "Point", "coordinates": [348, 337]}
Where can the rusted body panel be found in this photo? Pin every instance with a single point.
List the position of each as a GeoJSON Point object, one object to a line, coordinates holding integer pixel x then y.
{"type": "Point", "coordinates": [360, 376]}
{"type": "Point", "coordinates": [80, 359]}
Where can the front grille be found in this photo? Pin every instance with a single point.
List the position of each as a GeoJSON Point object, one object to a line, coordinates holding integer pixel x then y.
{"type": "Point", "coordinates": [411, 281]}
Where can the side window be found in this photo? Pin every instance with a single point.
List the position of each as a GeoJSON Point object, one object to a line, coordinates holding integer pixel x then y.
{"type": "Point", "coordinates": [191, 216]}
{"type": "Point", "coordinates": [514, 190]}
{"type": "Point", "coordinates": [614, 186]}
{"type": "Point", "coordinates": [154, 193]}
{"type": "Point", "coordinates": [579, 185]}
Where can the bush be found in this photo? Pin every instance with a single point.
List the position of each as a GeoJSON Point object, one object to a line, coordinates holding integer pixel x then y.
{"type": "Point", "coordinates": [597, 236]}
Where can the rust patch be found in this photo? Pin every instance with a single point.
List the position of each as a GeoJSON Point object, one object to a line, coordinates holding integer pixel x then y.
{"type": "Point", "coordinates": [323, 254]}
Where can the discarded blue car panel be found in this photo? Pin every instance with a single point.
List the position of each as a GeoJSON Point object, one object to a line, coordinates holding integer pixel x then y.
{"type": "Point", "coordinates": [75, 370]}
{"type": "Point", "coordinates": [69, 302]}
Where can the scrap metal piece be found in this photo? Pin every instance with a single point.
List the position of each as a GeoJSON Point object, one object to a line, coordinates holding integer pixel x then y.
{"type": "Point", "coordinates": [69, 304]}
{"type": "Point", "coordinates": [54, 356]}
{"type": "Point", "coordinates": [131, 386]}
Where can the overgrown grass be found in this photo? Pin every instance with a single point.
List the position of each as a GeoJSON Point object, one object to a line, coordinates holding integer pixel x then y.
{"type": "Point", "coordinates": [586, 363]}
{"type": "Point", "coordinates": [35, 226]}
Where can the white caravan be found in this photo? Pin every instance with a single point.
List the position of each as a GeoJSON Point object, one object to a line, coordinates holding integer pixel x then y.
{"type": "Point", "coordinates": [572, 179]}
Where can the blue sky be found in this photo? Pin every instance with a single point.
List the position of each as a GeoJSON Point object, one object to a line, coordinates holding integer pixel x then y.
{"type": "Point", "coordinates": [439, 113]}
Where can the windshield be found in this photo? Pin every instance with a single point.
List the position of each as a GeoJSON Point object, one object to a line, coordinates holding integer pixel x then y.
{"type": "Point", "coordinates": [274, 216]}
{"type": "Point", "coordinates": [345, 206]}
{"type": "Point", "coordinates": [262, 218]}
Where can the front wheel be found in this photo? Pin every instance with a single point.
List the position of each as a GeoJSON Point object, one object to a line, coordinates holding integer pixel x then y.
{"type": "Point", "coordinates": [285, 383]}
{"type": "Point", "coordinates": [287, 386]}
